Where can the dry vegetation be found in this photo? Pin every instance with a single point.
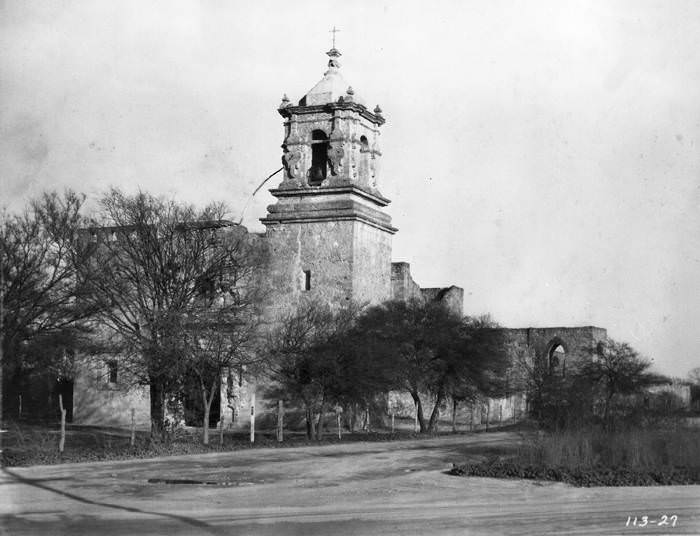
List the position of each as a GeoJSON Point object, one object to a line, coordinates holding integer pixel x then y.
{"type": "Point", "coordinates": [594, 457]}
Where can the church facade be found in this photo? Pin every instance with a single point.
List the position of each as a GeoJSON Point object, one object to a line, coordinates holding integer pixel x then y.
{"type": "Point", "coordinates": [328, 238]}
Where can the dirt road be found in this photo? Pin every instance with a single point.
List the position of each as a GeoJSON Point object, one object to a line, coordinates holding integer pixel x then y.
{"type": "Point", "coordinates": [395, 488]}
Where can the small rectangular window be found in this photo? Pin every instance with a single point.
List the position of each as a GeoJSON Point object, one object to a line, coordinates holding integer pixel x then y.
{"type": "Point", "coordinates": [307, 279]}
{"type": "Point", "coordinates": [112, 371]}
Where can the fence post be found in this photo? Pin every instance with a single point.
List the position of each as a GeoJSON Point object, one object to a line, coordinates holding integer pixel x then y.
{"type": "Point", "coordinates": [252, 418]}
{"type": "Point", "coordinates": [62, 442]}
{"type": "Point", "coordinates": [488, 413]}
{"type": "Point", "coordinates": [133, 427]}
{"type": "Point", "coordinates": [280, 421]}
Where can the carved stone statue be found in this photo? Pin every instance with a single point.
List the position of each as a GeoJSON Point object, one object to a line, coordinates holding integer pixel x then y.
{"type": "Point", "coordinates": [290, 161]}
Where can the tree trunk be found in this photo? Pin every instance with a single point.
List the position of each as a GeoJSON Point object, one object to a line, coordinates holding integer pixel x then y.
{"type": "Point", "coordinates": [353, 418]}
{"type": "Point", "coordinates": [435, 415]}
{"type": "Point", "coordinates": [207, 408]}
{"type": "Point", "coordinates": [319, 424]}
{"type": "Point", "coordinates": [606, 410]}
{"type": "Point", "coordinates": [419, 411]}
{"type": "Point", "coordinates": [310, 429]}
{"type": "Point", "coordinates": [157, 410]}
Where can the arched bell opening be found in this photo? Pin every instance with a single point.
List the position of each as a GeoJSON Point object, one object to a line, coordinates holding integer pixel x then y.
{"type": "Point", "coordinates": [319, 158]}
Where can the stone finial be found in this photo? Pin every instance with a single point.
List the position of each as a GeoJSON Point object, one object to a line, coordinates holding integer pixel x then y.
{"type": "Point", "coordinates": [350, 91]}
{"type": "Point", "coordinates": [334, 54]}
{"type": "Point", "coordinates": [377, 110]}
{"type": "Point", "coordinates": [285, 101]}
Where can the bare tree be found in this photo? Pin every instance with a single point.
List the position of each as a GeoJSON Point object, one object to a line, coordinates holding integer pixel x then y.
{"type": "Point", "coordinates": [694, 376]}
{"type": "Point", "coordinates": [151, 261]}
{"type": "Point", "coordinates": [223, 334]}
{"type": "Point", "coordinates": [616, 370]}
{"type": "Point", "coordinates": [42, 317]}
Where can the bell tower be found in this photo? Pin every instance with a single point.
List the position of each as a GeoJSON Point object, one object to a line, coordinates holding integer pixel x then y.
{"type": "Point", "coordinates": [328, 234]}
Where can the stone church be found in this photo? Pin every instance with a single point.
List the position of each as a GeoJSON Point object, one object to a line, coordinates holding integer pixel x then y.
{"type": "Point", "coordinates": [329, 236]}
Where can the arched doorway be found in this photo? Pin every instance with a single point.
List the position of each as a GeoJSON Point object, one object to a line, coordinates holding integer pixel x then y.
{"type": "Point", "coordinates": [556, 357]}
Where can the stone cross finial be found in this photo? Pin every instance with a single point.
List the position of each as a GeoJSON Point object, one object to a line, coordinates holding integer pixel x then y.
{"type": "Point", "coordinates": [333, 31]}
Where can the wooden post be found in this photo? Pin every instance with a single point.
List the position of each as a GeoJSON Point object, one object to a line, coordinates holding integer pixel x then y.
{"type": "Point", "coordinates": [20, 406]}
{"type": "Point", "coordinates": [280, 421]}
{"type": "Point", "coordinates": [133, 427]}
{"type": "Point", "coordinates": [62, 442]}
{"type": "Point", "coordinates": [488, 413]}
{"type": "Point", "coordinates": [500, 412]}
{"type": "Point", "coordinates": [454, 416]}
{"type": "Point", "coordinates": [252, 418]}
{"type": "Point", "coordinates": [337, 419]}
{"type": "Point", "coordinates": [392, 422]}
{"type": "Point", "coordinates": [471, 417]}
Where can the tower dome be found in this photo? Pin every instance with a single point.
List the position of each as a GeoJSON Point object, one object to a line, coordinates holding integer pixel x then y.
{"type": "Point", "coordinates": [332, 87]}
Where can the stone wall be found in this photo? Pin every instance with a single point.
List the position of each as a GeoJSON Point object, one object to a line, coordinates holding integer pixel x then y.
{"type": "Point", "coordinates": [97, 401]}
{"type": "Point", "coordinates": [323, 248]}
{"type": "Point", "coordinates": [371, 264]}
{"type": "Point", "coordinates": [452, 297]}
{"type": "Point", "coordinates": [403, 287]}
{"type": "Point", "coordinates": [658, 395]}
{"type": "Point", "coordinates": [538, 343]}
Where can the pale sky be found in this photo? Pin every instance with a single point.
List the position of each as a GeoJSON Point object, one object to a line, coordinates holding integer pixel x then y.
{"type": "Point", "coordinates": [543, 155]}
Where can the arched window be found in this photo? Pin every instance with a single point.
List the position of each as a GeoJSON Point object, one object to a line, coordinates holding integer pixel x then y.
{"type": "Point", "coordinates": [364, 144]}
{"type": "Point", "coordinates": [557, 359]}
{"type": "Point", "coordinates": [319, 158]}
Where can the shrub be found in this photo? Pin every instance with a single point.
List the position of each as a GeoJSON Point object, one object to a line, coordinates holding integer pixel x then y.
{"type": "Point", "coordinates": [598, 458]}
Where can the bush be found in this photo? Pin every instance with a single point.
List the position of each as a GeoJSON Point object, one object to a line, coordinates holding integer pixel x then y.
{"type": "Point", "coordinates": [595, 476]}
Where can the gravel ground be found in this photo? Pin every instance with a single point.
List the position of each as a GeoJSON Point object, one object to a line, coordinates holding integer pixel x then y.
{"type": "Point", "coordinates": [359, 488]}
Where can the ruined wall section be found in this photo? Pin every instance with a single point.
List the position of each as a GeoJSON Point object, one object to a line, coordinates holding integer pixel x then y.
{"type": "Point", "coordinates": [403, 287]}
{"type": "Point", "coordinates": [452, 297]}
{"type": "Point", "coordinates": [578, 342]}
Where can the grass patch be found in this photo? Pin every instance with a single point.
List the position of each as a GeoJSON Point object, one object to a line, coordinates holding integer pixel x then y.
{"type": "Point", "coordinates": [640, 457]}
{"type": "Point", "coordinates": [31, 444]}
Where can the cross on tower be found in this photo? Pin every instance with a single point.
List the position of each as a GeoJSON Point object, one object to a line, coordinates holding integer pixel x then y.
{"type": "Point", "coordinates": [333, 31]}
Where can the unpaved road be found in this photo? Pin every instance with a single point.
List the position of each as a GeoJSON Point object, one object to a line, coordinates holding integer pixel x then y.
{"type": "Point", "coordinates": [397, 488]}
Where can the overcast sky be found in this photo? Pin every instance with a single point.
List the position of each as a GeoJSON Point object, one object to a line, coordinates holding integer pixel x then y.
{"type": "Point", "coordinates": [543, 155]}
